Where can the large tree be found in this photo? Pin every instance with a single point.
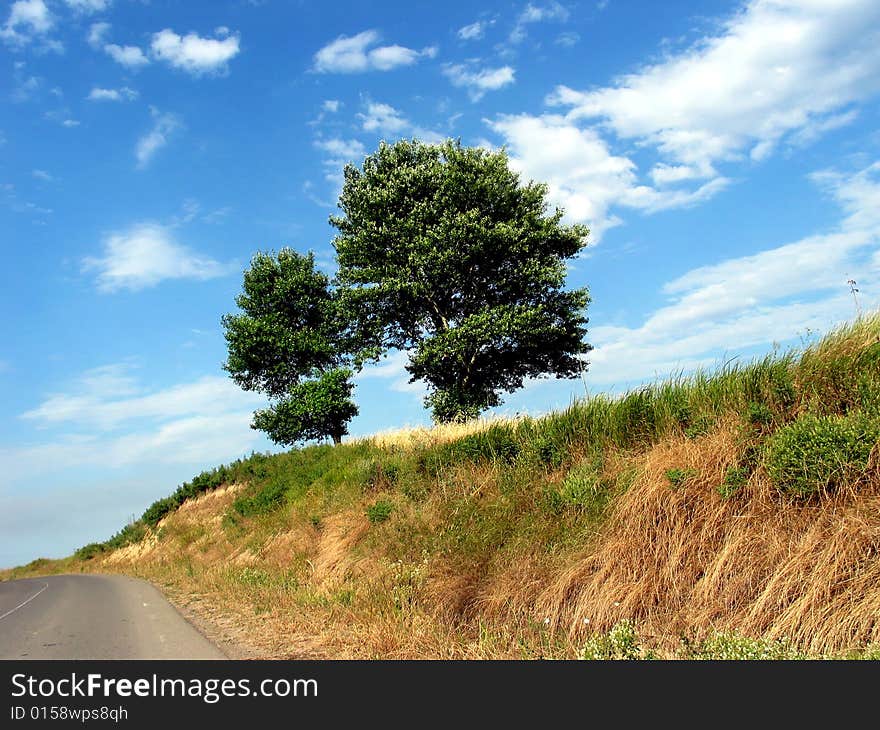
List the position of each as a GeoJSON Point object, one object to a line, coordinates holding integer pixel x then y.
{"type": "Point", "coordinates": [444, 252]}
{"type": "Point", "coordinates": [292, 342]}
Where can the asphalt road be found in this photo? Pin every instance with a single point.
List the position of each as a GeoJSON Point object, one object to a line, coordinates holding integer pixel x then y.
{"type": "Point", "coordinates": [94, 617]}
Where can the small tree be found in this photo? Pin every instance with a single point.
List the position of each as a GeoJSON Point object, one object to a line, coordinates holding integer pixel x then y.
{"type": "Point", "coordinates": [291, 342]}
{"type": "Point", "coordinates": [444, 252]}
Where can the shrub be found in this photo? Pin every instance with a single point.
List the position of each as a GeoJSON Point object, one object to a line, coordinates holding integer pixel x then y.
{"type": "Point", "coordinates": [622, 642]}
{"type": "Point", "coordinates": [735, 478]}
{"type": "Point", "coordinates": [267, 499]}
{"type": "Point", "coordinates": [699, 427]}
{"type": "Point", "coordinates": [159, 509]}
{"type": "Point", "coordinates": [821, 453]}
{"type": "Point", "coordinates": [381, 476]}
{"type": "Point", "coordinates": [759, 414]}
{"type": "Point", "coordinates": [131, 533]}
{"type": "Point", "coordinates": [379, 511]}
{"type": "Point", "coordinates": [735, 647]}
{"type": "Point", "coordinates": [583, 490]}
{"type": "Point", "coordinates": [677, 477]}
{"type": "Point", "coordinates": [90, 551]}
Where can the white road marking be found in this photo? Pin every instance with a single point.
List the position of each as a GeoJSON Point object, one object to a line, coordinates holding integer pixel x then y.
{"type": "Point", "coordinates": [25, 603]}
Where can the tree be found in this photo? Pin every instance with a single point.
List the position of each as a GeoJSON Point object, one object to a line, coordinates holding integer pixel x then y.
{"type": "Point", "coordinates": [442, 251]}
{"type": "Point", "coordinates": [291, 341]}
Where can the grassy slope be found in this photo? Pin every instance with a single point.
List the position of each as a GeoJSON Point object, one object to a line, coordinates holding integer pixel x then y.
{"type": "Point", "coordinates": [660, 520]}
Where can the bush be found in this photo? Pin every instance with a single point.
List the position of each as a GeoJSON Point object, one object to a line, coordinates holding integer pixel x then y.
{"type": "Point", "coordinates": [90, 551]}
{"type": "Point", "coordinates": [700, 426]}
{"type": "Point", "coordinates": [759, 414]}
{"type": "Point", "coordinates": [734, 647]}
{"type": "Point", "coordinates": [735, 478]}
{"type": "Point", "coordinates": [622, 642]}
{"type": "Point", "coordinates": [266, 500]}
{"type": "Point", "coordinates": [677, 477]}
{"type": "Point", "coordinates": [379, 511]}
{"type": "Point", "coordinates": [159, 509]}
{"type": "Point", "coordinates": [821, 453]}
{"type": "Point", "coordinates": [583, 490]}
{"type": "Point", "coordinates": [131, 533]}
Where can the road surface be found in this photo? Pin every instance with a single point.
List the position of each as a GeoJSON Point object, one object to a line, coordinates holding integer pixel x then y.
{"type": "Point", "coordinates": [94, 617]}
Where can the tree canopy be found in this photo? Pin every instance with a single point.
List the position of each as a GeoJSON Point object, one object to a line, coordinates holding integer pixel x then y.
{"type": "Point", "coordinates": [442, 251]}
{"type": "Point", "coordinates": [291, 341]}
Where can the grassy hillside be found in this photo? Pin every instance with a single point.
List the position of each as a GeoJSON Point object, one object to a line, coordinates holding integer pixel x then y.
{"type": "Point", "coordinates": [733, 514]}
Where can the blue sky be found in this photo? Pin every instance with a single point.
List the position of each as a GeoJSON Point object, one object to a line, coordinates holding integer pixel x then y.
{"type": "Point", "coordinates": [725, 154]}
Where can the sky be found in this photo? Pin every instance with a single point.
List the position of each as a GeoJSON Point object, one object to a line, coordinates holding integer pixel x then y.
{"type": "Point", "coordinates": [725, 155]}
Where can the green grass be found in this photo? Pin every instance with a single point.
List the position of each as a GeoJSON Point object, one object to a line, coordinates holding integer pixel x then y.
{"type": "Point", "coordinates": [821, 453]}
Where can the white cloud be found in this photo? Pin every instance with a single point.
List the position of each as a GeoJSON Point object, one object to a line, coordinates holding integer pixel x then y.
{"type": "Point", "coordinates": [393, 368]}
{"type": "Point", "coordinates": [42, 175]}
{"type": "Point", "coordinates": [194, 54]}
{"type": "Point", "coordinates": [551, 11]}
{"type": "Point", "coordinates": [777, 68]}
{"type": "Point", "coordinates": [122, 94]}
{"type": "Point", "coordinates": [27, 19]}
{"type": "Point", "coordinates": [146, 254]}
{"type": "Point", "coordinates": [568, 39]}
{"type": "Point", "coordinates": [87, 7]}
{"type": "Point", "coordinates": [24, 86]}
{"type": "Point", "coordinates": [331, 105]}
{"type": "Point", "coordinates": [474, 31]}
{"type": "Point", "coordinates": [97, 34]}
{"type": "Point", "coordinates": [112, 419]}
{"type": "Point", "coordinates": [754, 300]}
{"type": "Point", "coordinates": [583, 176]}
{"type": "Point", "coordinates": [382, 118]}
{"type": "Point", "coordinates": [346, 149]}
{"type": "Point", "coordinates": [70, 123]}
{"type": "Point", "coordinates": [478, 81]}
{"type": "Point", "coordinates": [131, 57]}
{"type": "Point", "coordinates": [339, 152]}
{"type": "Point", "coordinates": [164, 125]}
{"type": "Point", "coordinates": [386, 121]}
{"type": "Point", "coordinates": [109, 397]}
{"type": "Point", "coordinates": [359, 53]}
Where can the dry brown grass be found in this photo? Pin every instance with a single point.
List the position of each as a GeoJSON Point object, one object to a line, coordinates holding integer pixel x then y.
{"type": "Point", "coordinates": [412, 437]}
{"type": "Point", "coordinates": [687, 562]}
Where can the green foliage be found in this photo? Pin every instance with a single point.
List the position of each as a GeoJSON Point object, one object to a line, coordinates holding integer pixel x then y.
{"type": "Point", "coordinates": [759, 414]}
{"type": "Point", "coordinates": [584, 491]}
{"type": "Point", "coordinates": [821, 453]}
{"type": "Point", "coordinates": [90, 551]}
{"type": "Point", "coordinates": [161, 507]}
{"type": "Point", "coordinates": [728, 647]}
{"type": "Point", "coordinates": [678, 477]}
{"type": "Point", "coordinates": [497, 443]}
{"type": "Point", "coordinates": [735, 479]}
{"type": "Point", "coordinates": [133, 532]}
{"type": "Point", "coordinates": [622, 643]}
{"type": "Point", "coordinates": [443, 251]}
{"type": "Point", "coordinates": [379, 511]}
{"type": "Point", "coordinates": [292, 327]}
{"type": "Point", "coordinates": [699, 427]}
{"type": "Point", "coordinates": [311, 410]}
{"type": "Point", "coordinates": [265, 500]}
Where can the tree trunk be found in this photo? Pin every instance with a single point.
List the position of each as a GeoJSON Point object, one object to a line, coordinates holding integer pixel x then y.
{"type": "Point", "coordinates": [337, 439]}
